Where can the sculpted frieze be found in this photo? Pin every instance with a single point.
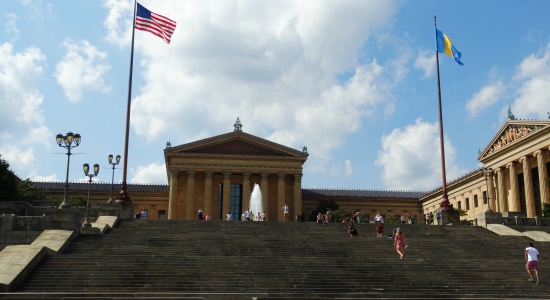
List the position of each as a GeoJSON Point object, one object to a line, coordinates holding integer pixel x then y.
{"type": "Point", "coordinates": [510, 135]}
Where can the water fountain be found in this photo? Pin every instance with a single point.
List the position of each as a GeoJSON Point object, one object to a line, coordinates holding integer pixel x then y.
{"type": "Point", "coordinates": [256, 200]}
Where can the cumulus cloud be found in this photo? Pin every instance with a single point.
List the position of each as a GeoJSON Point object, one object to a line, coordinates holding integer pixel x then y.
{"type": "Point", "coordinates": [19, 159]}
{"type": "Point", "coordinates": [533, 78]}
{"type": "Point", "coordinates": [425, 61]}
{"type": "Point", "coordinates": [81, 68]}
{"type": "Point", "coordinates": [486, 97]}
{"type": "Point", "coordinates": [274, 64]}
{"type": "Point", "coordinates": [153, 173]}
{"type": "Point", "coordinates": [410, 157]}
{"type": "Point", "coordinates": [35, 177]}
{"type": "Point", "coordinates": [118, 28]}
{"type": "Point", "coordinates": [349, 169]}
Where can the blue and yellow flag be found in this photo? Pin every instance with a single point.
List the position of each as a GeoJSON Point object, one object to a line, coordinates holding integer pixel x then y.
{"type": "Point", "coordinates": [444, 45]}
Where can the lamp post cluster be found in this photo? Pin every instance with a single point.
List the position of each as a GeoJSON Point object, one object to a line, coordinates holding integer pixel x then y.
{"type": "Point", "coordinates": [66, 141]}
{"type": "Point", "coordinates": [113, 177]}
{"type": "Point", "coordinates": [86, 168]}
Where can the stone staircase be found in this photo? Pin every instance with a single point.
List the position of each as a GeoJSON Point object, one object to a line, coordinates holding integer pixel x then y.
{"type": "Point", "coordinates": [245, 260]}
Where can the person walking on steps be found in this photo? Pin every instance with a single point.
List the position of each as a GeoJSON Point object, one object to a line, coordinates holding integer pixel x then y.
{"type": "Point", "coordinates": [200, 213]}
{"type": "Point", "coordinates": [379, 230]}
{"type": "Point", "coordinates": [532, 257]}
{"type": "Point", "coordinates": [399, 242]}
{"type": "Point", "coordinates": [438, 216]}
{"type": "Point", "coordinates": [285, 212]}
{"type": "Point", "coordinates": [351, 230]}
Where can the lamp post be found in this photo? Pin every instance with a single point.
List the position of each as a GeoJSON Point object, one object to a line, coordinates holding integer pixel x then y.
{"type": "Point", "coordinates": [486, 172]}
{"type": "Point", "coordinates": [113, 177]}
{"type": "Point", "coordinates": [66, 141]}
{"type": "Point", "coordinates": [86, 168]}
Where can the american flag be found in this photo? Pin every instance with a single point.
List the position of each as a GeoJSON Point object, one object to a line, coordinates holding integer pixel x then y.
{"type": "Point", "coordinates": [156, 24]}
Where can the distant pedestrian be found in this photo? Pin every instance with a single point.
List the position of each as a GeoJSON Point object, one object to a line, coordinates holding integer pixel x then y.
{"type": "Point", "coordinates": [207, 217]}
{"type": "Point", "coordinates": [247, 215]}
{"type": "Point", "coordinates": [351, 230]}
{"type": "Point", "coordinates": [285, 212]}
{"type": "Point", "coordinates": [410, 219]}
{"type": "Point", "coordinates": [402, 219]}
{"type": "Point", "coordinates": [532, 257]}
{"type": "Point", "coordinates": [138, 215]}
{"type": "Point", "coordinates": [259, 217]}
{"type": "Point", "coordinates": [200, 214]}
{"type": "Point", "coordinates": [320, 219]}
{"type": "Point", "coordinates": [228, 216]}
{"type": "Point", "coordinates": [358, 217]}
{"type": "Point", "coordinates": [379, 230]}
{"type": "Point", "coordinates": [427, 217]}
{"type": "Point", "coordinates": [399, 243]}
{"type": "Point", "coordinates": [438, 216]}
{"type": "Point", "coordinates": [264, 217]}
{"type": "Point", "coordinates": [328, 217]}
{"type": "Point", "coordinates": [143, 214]}
{"type": "Point", "coordinates": [243, 217]}
{"type": "Point", "coordinates": [378, 218]}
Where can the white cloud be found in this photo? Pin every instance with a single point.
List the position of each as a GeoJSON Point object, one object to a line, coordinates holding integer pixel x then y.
{"type": "Point", "coordinates": [274, 64]}
{"type": "Point", "coordinates": [11, 23]}
{"type": "Point", "coordinates": [81, 68]}
{"type": "Point", "coordinates": [35, 177]}
{"type": "Point", "coordinates": [533, 77]}
{"type": "Point", "coordinates": [349, 169]}
{"type": "Point", "coordinates": [426, 61]}
{"type": "Point", "coordinates": [118, 28]}
{"type": "Point", "coordinates": [153, 173]}
{"type": "Point", "coordinates": [389, 109]}
{"type": "Point", "coordinates": [19, 159]}
{"type": "Point", "coordinates": [410, 158]}
{"type": "Point", "coordinates": [486, 97]}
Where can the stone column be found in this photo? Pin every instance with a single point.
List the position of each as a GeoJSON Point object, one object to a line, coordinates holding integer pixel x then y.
{"type": "Point", "coordinates": [173, 198]}
{"type": "Point", "coordinates": [264, 188]}
{"type": "Point", "coordinates": [513, 202]}
{"type": "Point", "coordinates": [281, 196]}
{"type": "Point", "coordinates": [543, 174]}
{"type": "Point", "coordinates": [491, 192]}
{"type": "Point", "coordinates": [190, 196]}
{"type": "Point", "coordinates": [207, 206]}
{"type": "Point", "coordinates": [528, 183]}
{"type": "Point", "coordinates": [502, 197]}
{"type": "Point", "coordinates": [246, 187]}
{"type": "Point", "coordinates": [298, 194]}
{"type": "Point", "coordinates": [226, 193]}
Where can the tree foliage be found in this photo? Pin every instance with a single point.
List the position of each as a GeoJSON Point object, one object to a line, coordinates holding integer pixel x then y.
{"type": "Point", "coordinates": [322, 207]}
{"type": "Point", "coordinates": [14, 189]}
{"type": "Point", "coordinates": [74, 201]}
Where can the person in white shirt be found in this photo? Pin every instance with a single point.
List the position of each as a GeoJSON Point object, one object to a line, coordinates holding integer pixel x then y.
{"type": "Point", "coordinates": [532, 257]}
{"type": "Point", "coordinates": [285, 212]}
{"type": "Point", "coordinates": [229, 216]}
{"type": "Point", "coordinates": [247, 214]}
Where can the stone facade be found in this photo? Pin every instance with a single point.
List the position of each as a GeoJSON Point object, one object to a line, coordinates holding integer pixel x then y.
{"type": "Point", "coordinates": [518, 157]}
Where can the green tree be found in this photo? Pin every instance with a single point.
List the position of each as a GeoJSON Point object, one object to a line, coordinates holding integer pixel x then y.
{"type": "Point", "coordinates": [74, 201]}
{"type": "Point", "coordinates": [26, 191]}
{"type": "Point", "coordinates": [342, 213]}
{"type": "Point", "coordinates": [322, 207]}
{"type": "Point", "coordinates": [8, 182]}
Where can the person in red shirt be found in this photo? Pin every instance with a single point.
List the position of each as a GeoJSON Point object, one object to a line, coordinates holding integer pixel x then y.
{"type": "Point", "coordinates": [379, 230]}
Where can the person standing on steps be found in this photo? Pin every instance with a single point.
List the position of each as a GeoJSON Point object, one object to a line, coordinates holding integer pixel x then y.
{"type": "Point", "coordinates": [352, 230]}
{"type": "Point", "coordinates": [427, 217]}
{"type": "Point", "coordinates": [247, 214]}
{"type": "Point", "coordinates": [532, 257]}
{"type": "Point", "coordinates": [402, 219]}
{"type": "Point", "coordinates": [379, 230]}
{"type": "Point", "coordinates": [143, 214]}
{"type": "Point", "coordinates": [285, 212]}
{"type": "Point", "coordinates": [200, 214]}
{"type": "Point", "coordinates": [438, 216]}
{"type": "Point", "coordinates": [264, 217]}
{"type": "Point", "coordinates": [229, 216]}
{"type": "Point", "coordinates": [399, 242]}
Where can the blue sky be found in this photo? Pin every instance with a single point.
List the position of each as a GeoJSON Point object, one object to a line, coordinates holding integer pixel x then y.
{"type": "Point", "coordinates": [353, 80]}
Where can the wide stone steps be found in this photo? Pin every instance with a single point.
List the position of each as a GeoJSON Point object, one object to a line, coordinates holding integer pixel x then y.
{"type": "Point", "coordinates": [206, 260]}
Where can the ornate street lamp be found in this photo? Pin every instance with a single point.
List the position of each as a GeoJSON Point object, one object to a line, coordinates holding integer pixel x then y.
{"type": "Point", "coordinates": [113, 178]}
{"type": "Point", "coordinates": [86, 168]}
{"type": "Point", "coordinates": [486, 172]}
{"type": "Point", "coordinates": [67, 143]}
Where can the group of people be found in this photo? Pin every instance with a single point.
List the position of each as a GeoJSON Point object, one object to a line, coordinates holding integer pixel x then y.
{"type": "Point", "coordinates": [249, 215]}
{"type": "Point", "coordinates": [142, 214]}
{"type": "Point", "coordinates": [322, 219]}
{"type": "Point", "coordinates": [202, 215]}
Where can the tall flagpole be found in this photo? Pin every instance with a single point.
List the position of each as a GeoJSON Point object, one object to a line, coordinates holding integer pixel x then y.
{"type": "Point", "coordinates": [445, 204]}
{"type": "Point", "coordinates": [123, 195]}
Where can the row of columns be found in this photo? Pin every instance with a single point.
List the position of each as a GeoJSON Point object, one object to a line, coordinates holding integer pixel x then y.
{"type": "Point", "coordinates": [226, 192]}
{"type": "Point", "coordinates": [512, 203]}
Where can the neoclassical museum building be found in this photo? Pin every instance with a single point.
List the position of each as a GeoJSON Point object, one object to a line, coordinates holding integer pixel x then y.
{"type": "Point", "coordinates": [217, 174]}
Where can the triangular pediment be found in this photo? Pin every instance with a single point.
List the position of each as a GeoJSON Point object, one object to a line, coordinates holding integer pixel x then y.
{"type": "Point", "coordinates": [236, 143]}
{"type": "Point", "coordinates": [511, 133]}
